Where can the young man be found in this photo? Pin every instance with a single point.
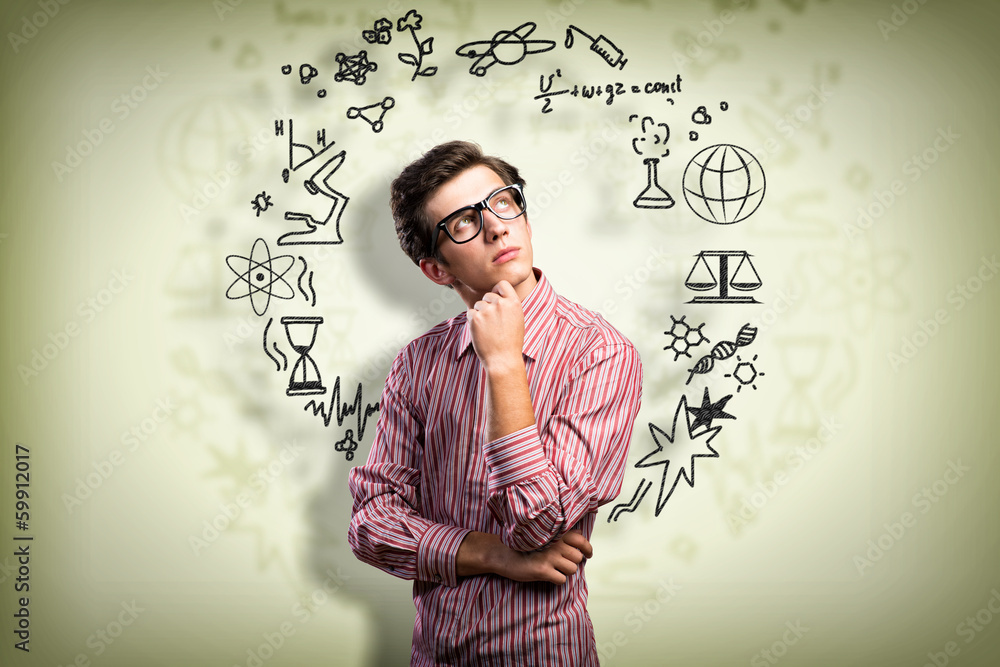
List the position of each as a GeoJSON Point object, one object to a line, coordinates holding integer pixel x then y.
{"type": "Point", "coordinates": [500, 432]}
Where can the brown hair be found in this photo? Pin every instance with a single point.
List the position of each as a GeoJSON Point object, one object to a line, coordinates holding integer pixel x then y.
{"type": "Point", "coordinates": [409, 193]}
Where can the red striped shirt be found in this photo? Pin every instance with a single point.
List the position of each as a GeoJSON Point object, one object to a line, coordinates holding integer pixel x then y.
{"type": "Point", "coordinates": [431, 478]}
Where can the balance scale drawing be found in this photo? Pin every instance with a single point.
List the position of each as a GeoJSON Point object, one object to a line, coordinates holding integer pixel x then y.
{"type": "Point", "coordinates": [702, 279]}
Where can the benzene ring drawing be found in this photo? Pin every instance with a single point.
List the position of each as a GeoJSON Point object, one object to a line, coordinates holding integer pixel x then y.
{"type": "Point", "coordinates": [684, 337]}
{"type": "Point", "coordinates": [507, 47]}
{"type": "Point", "coordinates": [723, 184]}
{"type": "Point", "coordinates": [261, 277]}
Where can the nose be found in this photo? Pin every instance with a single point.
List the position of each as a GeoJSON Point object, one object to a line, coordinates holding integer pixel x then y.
{"type": "Point", "coordinates": [494, 228]}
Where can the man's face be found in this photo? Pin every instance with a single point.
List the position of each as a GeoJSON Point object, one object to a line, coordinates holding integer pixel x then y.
{"type": "Point", "coordinates": [502, 251]}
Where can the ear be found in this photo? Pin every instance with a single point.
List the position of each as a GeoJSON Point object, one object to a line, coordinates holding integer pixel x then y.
{"type": "Point", "coordinates": [436, 271]}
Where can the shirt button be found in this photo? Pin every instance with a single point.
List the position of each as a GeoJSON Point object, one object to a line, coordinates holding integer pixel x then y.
{"type": "Point", "coordinates": [437, 578]}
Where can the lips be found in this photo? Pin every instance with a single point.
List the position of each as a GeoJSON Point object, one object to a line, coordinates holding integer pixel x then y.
{"type": "Point", "coordinates": [506, 255]}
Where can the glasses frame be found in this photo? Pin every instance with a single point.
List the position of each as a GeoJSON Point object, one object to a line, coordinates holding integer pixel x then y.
{"type": "Point", "coordinates": [441, 227]}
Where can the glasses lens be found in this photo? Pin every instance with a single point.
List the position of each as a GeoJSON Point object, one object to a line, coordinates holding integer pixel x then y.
{"type": "Point", "coordinates": [464, 225]}
{"type": "Point", "coordinates": [507, 203]}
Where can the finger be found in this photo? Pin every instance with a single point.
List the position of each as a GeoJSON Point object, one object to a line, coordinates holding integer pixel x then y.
{"type": "Point", "coordinates": [567, 567]}
{"type": "Point", "coordinates": [504, 288]}
{"type": "Point", "coordinates": [575, 539]}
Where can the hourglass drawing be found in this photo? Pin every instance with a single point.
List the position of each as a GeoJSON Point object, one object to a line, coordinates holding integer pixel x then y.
{"type": "Point", "coordinates": [653, 196]}
{"type": "Point", "coordinates": [305, 379]}
{"type": "Point", "coordinates": [702, 279]}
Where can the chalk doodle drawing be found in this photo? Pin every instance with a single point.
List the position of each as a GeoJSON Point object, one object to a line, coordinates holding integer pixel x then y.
{"type": "Point", "coordinates": [347, 445]}
{"type": "Point", "coordinates": [377, 124]}
{"type": "Point", "coordinates": [701, 117]}
{"type": "Point", "coordinates": [609, 92]}
{"type": "Point", "coordinates": [507, 47]}
{"type": "Point", "coordinates": [411, 22]}
{"type": "Point", "coordinates": [745, 373]}
{"type": "Point", "coordinates": [261, 203]}
{"type": "Point", "coordinates": [260, 277]}
{"type": "Point", "coordinates": [687, 442]}
{"type": "Point", "coordinates": [354, 69]}
{"type": "Point", "coordinates": [344, 410]}
{"type": "Point", "coordinates": [305, 378]}
{"type": "Point", "coordinates": [723, 184]}
{"type": "Point", "coordinates": [683, 337]}
{"type": "Point", "coordinates": [708, 411]}
{"type": "Point", "coordinates": [602, 46]}
{"type": "Point", "coordinates": [306, 74]}
{"type": "Point", "coordinates": [703, 279]}
{"type": "Point", "coordinates": [381, 32]}
{"type": "Point", "coordinates": [723, 350]}
{"type": "Point", "coordinates": [319, 196]}
{"type": "Point", "coordinates": [653, 195]}
{"type": "Point", "coordinates": [279, 365]}
{"type": "Point", "coordinates": [658, 138]}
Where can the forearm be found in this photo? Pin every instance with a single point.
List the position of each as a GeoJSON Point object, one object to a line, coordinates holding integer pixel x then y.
{"type": "Point", "coordinates": [484, 553]}
{"type": "Point", "coordinates": [508, 399]}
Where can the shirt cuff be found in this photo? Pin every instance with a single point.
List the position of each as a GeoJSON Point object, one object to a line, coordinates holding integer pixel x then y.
{"type": "Point", "coordinates": [515, 458]}
{"type": "Point", "coordinates": [436, 553]}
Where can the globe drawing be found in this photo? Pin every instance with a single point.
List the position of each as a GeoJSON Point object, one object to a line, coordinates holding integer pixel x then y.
{"type": "Point", "coordinates": [723, 184]}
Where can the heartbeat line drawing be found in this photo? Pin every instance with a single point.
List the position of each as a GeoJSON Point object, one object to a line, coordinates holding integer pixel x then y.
{"type": "Point", "coordinates": [344, 410]}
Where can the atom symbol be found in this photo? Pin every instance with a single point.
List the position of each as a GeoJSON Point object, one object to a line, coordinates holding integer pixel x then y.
{"type": "Point", "coordinates": [684, 337]}
{"type": "Point", "coordinates": [508, 47]}
{"type": "Point", "coordinates": [262, 278]}
{"type": "Point", "coordinates": [354, 68]}
{"type": "Point", "coordinates": [745, 373]}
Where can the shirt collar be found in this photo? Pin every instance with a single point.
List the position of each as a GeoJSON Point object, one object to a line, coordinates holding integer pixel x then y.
{"type": "Point", "coordinates": [538, 308]}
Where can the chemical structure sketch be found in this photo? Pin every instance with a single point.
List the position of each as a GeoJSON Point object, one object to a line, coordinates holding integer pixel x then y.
{"type": "Point", "coordinates": [261, 202]}
{"type": "Point", "coordinates": [411, 22]}
{"type": "Point", "coordinates": [653, 195]}
{"type": "Point", "coordinates": [701, 117]}
{"type": "Point", "coordinates": [507, 47]}
{"type": "Point", "coordinates": [745, 373]}
{"type": "Point", "coordinates": [381, 32]}
{"type": "Point", "coordinates": [260, 277]}
{"type": "Point", "coordinates": [684, 443]}
{"type": "Point", "coordinates": [321, 203]}
{"type": "Point", "coordinates": [723, 350]}
{"type": "Point", "coordinates": [708, 411]}
{"type": "Point", "coordinates": [347, 445]}
{"type": "Point", "coordinates": [305, 378]}
{"type": "Point", "coordinates": [602, 46]}
{"type": "Point", "coordinates": [684, 337]}
{"type": "Point", "coordinates": [702, 279]}
{"type": "Point", "coordinates": [306, 74]}
{"type": "Point", "coordinates": [659, 138]}
{"type": "Point", "coordinates": [354, 69]}
{"type": "Point", "coordinates": [723, 184]}
{"type": "Point", "coordinates": [377, 125]}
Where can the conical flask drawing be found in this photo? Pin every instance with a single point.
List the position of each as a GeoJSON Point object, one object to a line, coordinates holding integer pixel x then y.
{"type": "Point", "coordinates": [653, 196]}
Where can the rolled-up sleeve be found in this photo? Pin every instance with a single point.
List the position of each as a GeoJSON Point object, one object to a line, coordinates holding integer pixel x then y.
{"type": "Point", "coordinates": [387, 527]}
{"type": "Point", "coordinates": [542, 480]}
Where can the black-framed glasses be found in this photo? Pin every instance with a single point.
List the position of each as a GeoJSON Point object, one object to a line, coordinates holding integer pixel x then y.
{"type": "Point", "coordinates": [466, 223]}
